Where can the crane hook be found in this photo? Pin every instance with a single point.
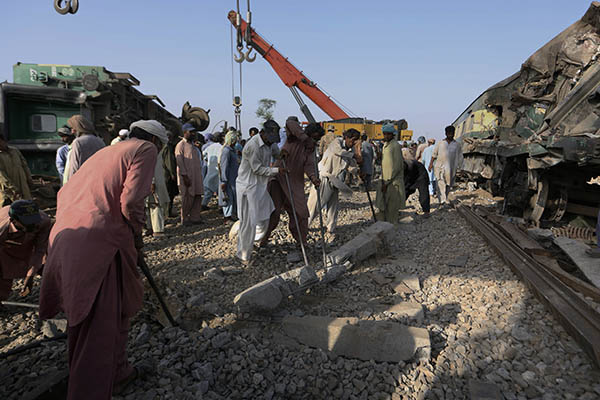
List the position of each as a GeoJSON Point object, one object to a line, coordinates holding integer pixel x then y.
{"type": "Point", "coordinates": [247, 55]}
{"type": "Point", "coordinates": [62, 10]}
{"type": "Point", "coordinates": [242, 56]}
{"type": "Point", "coordinates": [71, 6]}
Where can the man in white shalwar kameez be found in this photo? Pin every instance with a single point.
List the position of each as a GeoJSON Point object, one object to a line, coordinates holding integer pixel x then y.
{"type": "Point", "coordinates": [334, 162]}
{"type": "Point", "coordinates": [211, 156]}
{"type": "Point", "coordinates": [448, 158]}
{"type": "Point", "coordinates": [254, 204]}
{"type": "Point", "coordinates": [158, 202]}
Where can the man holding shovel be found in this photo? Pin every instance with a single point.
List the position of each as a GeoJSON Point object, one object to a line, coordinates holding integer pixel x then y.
{"type": "Point", "coordinates": [297, 154]}
{"type": "Point", "coordinates": [90, 272]}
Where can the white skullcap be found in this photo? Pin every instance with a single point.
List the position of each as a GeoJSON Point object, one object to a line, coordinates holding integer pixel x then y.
{"type": "Point", "coordinates": [152, 127]}
{"type": "Point", "coordinates": [124, 132]}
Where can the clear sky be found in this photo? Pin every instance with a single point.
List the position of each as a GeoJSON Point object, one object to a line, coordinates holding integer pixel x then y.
{"type": "Point", "coordinates": [424, 61]}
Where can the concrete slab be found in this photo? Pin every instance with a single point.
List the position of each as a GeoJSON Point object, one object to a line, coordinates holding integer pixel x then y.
{"type": "Point", "coordinates": [332, 273]}
{"type": "Point", "coordinates": [406, 284]}
{"type": "Point", "coordinates": [267, 295]}
{"type": "Point", "coordinates": [365, 340]}
{"type": "Point", "coordinates": [412, 281]}
{"type": "Point", "coordinates": [480, 390]}
{"type": "Point", "coordinates": [401, 308]}
{"type": "Point", "coordinates": [376, 239]}
{"type": "Point", "coordinates": [264, 296]}
{"type": "Point", "coordinates": [576, 252]}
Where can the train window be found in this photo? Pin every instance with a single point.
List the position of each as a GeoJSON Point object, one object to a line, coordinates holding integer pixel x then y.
{"type": "Point", "coordinates": [43, 123]}
{"type": "Point", "coordinates": [470, 122]}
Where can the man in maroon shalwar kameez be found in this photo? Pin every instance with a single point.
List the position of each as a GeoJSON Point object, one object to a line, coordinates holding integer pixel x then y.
{"type": "Point", "coordinates": [189, 176]}
{"type": "Point", "coordinates": [90, 273]}
{"type": "Point", "coordinates": [298, 152]}
{"type": "Point", "coordinates": [24, 234]}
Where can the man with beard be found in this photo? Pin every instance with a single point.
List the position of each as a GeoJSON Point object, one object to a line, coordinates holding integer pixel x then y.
{"type": "Point", "coordinates": [189, 176]}
{"type": "Point", "coordinates": [390, 196]}
{"type": "Point", "coordinates": [298, 154]}
{"type": "Point", "coordinates": [254, 205]}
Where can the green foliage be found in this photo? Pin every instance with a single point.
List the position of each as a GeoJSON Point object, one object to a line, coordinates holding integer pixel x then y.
{"type": "Point", "coordinates": [265, 110]}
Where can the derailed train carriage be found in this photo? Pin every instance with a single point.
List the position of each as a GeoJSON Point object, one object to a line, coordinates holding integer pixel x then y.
{"type": "Point", "coordinates": [44, 96]}
{"type": "Point", "coordinates": [534, 137]}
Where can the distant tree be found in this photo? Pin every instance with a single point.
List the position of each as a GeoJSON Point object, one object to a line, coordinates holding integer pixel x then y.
{"type": "Point", "coordinates": [265, 110]}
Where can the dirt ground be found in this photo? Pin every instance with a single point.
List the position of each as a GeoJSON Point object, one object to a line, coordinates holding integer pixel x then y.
{"type": "Point", "coordinates": [484, 324]}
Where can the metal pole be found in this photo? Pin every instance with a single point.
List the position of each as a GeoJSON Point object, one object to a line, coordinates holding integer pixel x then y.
{"type": "Point", "coordinates": [320, 211]}
{"type": "Point", "coordinates": [302, 104]}
{"type": "Point", "coordinates": [370, 202]}
{"type": "Point", "coordinates": [146, 270]}
{"type": "Point", "coordinates": [15, 304]}
{"type": "Point", "coordinates": [287, 180]}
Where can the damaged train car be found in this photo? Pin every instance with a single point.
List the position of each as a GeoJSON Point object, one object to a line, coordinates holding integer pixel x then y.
{"type": "Point", "coordinates": [534, 137]}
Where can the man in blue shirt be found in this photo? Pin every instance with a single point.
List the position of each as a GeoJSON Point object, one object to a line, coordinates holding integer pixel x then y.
{"type": "Point", "coordinates": [67, 138]}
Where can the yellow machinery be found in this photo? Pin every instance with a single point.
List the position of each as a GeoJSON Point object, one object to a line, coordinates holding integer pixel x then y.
{"type": "Point", "coordinates": [373, 131]}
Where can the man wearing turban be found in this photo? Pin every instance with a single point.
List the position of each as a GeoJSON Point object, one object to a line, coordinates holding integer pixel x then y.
{"type": "Point", "coordinates": [83, 147]}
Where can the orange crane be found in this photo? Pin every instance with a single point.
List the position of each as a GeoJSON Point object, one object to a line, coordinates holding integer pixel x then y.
{"type": "Point", "coordinates": [291, 76]}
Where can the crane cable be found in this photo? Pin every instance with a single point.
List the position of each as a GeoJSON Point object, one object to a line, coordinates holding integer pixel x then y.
{"type": "Point", "coordinates": [237, 100]}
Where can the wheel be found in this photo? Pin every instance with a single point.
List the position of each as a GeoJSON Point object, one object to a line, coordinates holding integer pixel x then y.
{"type": "Point", "coordinates": [537, 202]}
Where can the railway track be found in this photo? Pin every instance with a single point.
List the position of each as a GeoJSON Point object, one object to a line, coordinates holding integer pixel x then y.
{"type": "Point", "coordinates": [575, 314]}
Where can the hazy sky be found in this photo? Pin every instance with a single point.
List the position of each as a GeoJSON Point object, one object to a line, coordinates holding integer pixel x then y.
{"type": "Point", "coordinates": [422, 61]}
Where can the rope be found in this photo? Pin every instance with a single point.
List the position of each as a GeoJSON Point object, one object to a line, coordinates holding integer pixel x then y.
{"type": "Point", "coordinates": [232, 62]}
{"type": "Point", "coordinates": [348, 110]}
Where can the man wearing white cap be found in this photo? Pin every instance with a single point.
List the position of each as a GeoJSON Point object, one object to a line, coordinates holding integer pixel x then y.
{"type": "Point", "coordinates": [123, 135]}
{"type": "Point", "coordinates": [90, 272]}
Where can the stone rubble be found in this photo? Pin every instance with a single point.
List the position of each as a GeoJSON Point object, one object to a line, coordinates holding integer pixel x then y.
{"type": "Point", "coordinates": [483, 323]}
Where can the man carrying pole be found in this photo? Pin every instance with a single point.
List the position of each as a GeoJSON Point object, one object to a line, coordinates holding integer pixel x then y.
{"type": "Point", "coordinates": [254, 205]}
{"type": "Point", "coordinates": [299, 160]}
{"type": "Point", "coordinates": [91, 273]}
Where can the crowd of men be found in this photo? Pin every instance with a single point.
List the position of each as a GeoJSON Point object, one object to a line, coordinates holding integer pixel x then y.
{"type": "Point", "coordinates": [88, 258]}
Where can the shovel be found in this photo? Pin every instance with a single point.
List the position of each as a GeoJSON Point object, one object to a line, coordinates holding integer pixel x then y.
{"type": "Point", "coordinates": [287, 180]}
{"type": "Point", "coordinates": [163, 305]}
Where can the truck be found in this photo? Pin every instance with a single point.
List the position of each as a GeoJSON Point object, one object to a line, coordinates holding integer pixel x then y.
{"type": "Point", "coordinates": [534, 137]}
{"type": "Point", "coordinates": [42, 97]}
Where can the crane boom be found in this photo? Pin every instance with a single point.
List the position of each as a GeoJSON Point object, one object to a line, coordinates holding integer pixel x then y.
{"type": "Point", "coordinates": [291, 76]}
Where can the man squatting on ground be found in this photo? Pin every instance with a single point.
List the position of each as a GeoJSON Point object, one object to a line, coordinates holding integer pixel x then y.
{"type": "Point", "coordinates": [254, 205]}
{"type": "Point", "coordinates": [100, 211]}
{"type": "Point", "coordinates": [298, 154]}
{"type": "Point", "coordinates": [416, 178]}
{"type": "Point", "coordinates": [24, 231]}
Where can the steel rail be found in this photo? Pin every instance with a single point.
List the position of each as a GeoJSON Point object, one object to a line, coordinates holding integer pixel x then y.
{"type": "Point", "coordinates": [575, 314]}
